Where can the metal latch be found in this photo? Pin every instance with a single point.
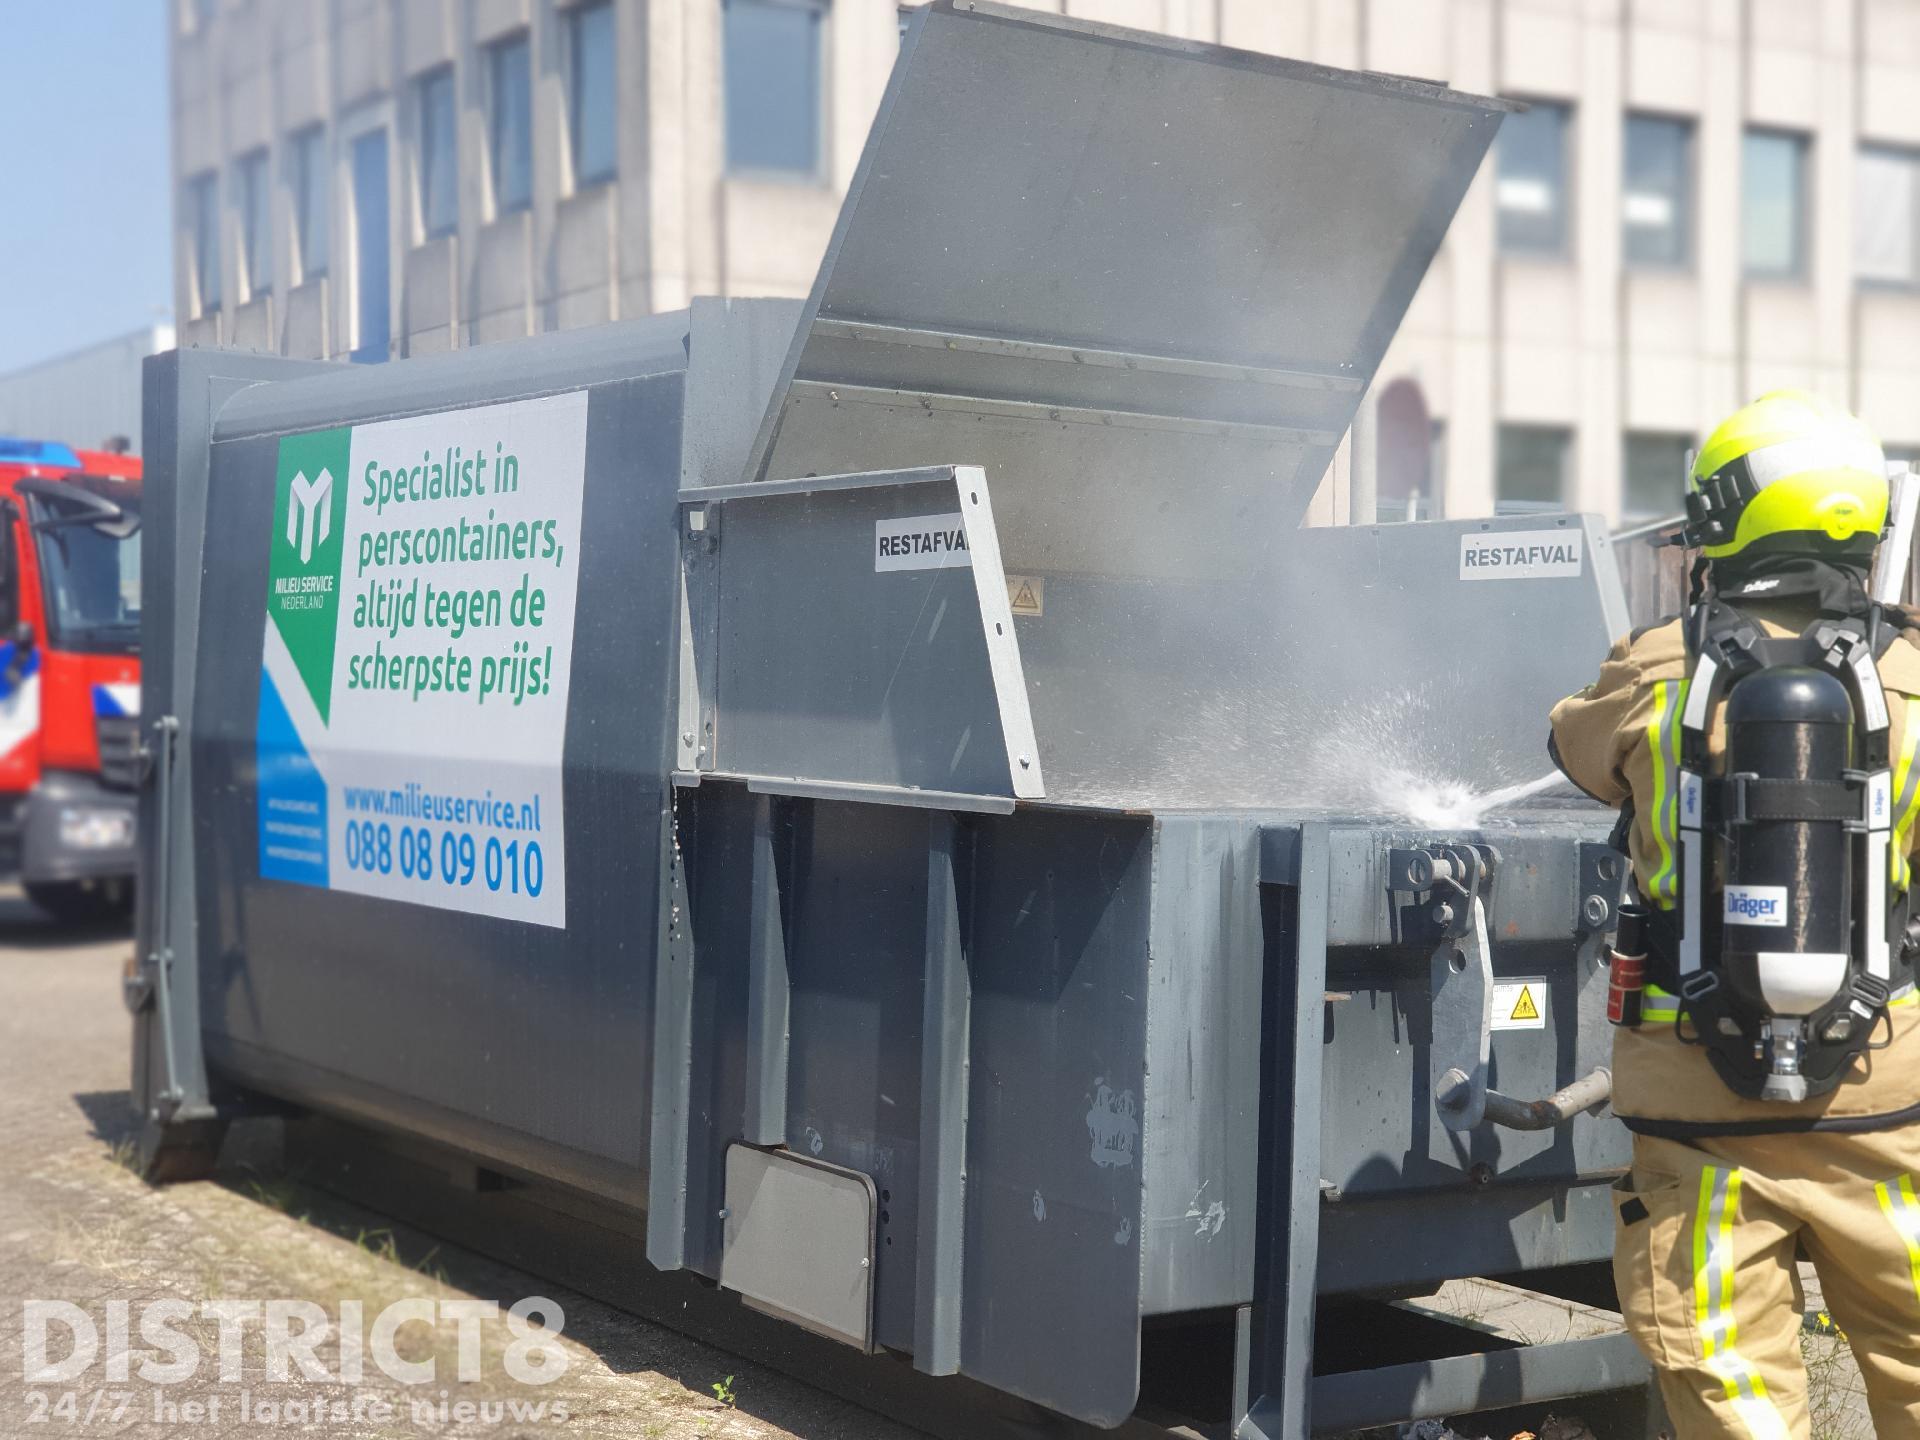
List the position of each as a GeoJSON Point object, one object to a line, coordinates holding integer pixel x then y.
{"type": "Point", "coordinates": [1456, 883]}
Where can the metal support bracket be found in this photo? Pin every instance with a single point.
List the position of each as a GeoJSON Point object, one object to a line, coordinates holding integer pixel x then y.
{"type": "Point", "coordinates": [179, 1134]}
{"type": "Point", "coordinates": [155, 976]}
{"type": "Point", "coordinates": [1461, 971]}
{"type": "Point", "coordinates": [946, 1031]}
{"type": "Point", "coordinates": [768, 984]}
{"type": "Point", "coordinates": [1455, 880]}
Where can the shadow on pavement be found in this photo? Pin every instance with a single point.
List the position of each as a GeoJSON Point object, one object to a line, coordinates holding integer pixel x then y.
{"type": "Point", "coordinates": [253, 1166]}
{"type": "Point", "coordinates": [110, 1117]}
{"type": "Point", "coordinates": [25, 926]}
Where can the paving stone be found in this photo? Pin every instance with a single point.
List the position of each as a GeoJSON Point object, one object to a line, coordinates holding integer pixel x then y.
{"type": "Point", "coordinates": [77, 1226]}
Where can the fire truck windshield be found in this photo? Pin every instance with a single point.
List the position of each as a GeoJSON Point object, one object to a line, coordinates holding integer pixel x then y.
{"type": "Point", "coordinates": [92, 577]}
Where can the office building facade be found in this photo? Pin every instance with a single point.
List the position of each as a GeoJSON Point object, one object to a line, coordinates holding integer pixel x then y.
{"type": "Point", "coordinates": [1703, 200]}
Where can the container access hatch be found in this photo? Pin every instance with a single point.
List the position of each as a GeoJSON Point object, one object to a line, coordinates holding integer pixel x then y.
{"type": "Point", "coordinates": [1142, 291]}
{"type": "Point", "coordinates": [1155, 262]}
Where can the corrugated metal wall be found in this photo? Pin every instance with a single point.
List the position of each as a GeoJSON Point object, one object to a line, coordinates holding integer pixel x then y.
{"type": "Point", "coordinates": [85, 396]}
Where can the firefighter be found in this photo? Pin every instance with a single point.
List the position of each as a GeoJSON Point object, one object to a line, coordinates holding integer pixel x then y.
{"type": "Point", "coordinates": [1745, 1155]}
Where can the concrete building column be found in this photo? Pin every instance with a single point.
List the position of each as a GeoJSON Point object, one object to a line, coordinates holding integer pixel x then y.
{"type": "Point", "coordinates": [1836, 294]}
{"type": "Point", "coordinates": [1598, 147]}
{"type": "Point", "coordinates": [1719, 250]}
{"type": "Point", "coordinates": [1363, 457]}
{"type": "Point", "coordinates": [665, 157]}
{"type": "Point", "coordinates": [1467, 398]}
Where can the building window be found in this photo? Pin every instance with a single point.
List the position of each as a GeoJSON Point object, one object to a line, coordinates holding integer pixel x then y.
{"type": "Point", "coordinates": [256, 224]}
{"type": "Point", "coordinates": [1407, 442]}
{"type": "Point", "coordinates": [1531, 190]}
{"type": "Point", "coordinates": [1886, 220]}
{"type": "Point", "coordinates": [203, 214]}
{"type": "Point", "coordinates": [371, 248]}
{"type": "Point", "coordinates": [439, 172]}
{"type": "Point", "coordinates": [510, 124]}
{"type": "Point", "coordinates": [774, 86]}
{"type": "Point", "coordinates": [307, 178]}
{"type": "Point", "coordinates": [1773, 204]}
{"type": "Point", "coordinates": [1533, 462]}
{"type": "Point", "coordinates": [590, 116]}
{"type": "Point", "coordinates": [1656, 197]}
{"type": "Point", "coordinates": [1654, 476]}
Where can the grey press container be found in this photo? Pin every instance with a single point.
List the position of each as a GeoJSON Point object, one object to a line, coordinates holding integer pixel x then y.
{"type": "Point", "coordinates": [1048, 968]}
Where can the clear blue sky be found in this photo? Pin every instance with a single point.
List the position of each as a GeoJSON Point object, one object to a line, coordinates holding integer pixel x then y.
{"type": "Point", "coordinates": [86, 242]}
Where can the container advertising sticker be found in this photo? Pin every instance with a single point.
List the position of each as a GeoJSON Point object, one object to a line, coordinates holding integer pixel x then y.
{"type": "Point", "coordinates": [419, 641]}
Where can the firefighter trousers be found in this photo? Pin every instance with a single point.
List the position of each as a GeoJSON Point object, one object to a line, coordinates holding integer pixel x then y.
{"type": "Point", "coordinates": [1705, 1263]}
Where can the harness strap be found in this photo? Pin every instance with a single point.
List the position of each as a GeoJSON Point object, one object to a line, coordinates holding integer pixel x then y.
{"type": "Point", "coordinates": [1744, 798]}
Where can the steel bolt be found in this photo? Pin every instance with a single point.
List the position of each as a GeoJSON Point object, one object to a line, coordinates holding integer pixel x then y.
{"type": "Point", "coordinates": [1443, 914]}
{"type": "Point", "coordinates": [1597, 910]}
{"type": "Point", "coordinates": [1454, 1089]}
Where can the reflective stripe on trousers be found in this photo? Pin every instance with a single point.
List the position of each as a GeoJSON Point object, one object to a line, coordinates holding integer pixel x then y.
{"type": "Point", "coordinates": [1713, 1270]}
{"type": "Point", "coordinates": [1903, 1212]}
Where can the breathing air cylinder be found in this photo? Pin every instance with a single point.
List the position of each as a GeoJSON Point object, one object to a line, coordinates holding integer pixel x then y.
{"type": "Point", "coordinates": [1788, 882]}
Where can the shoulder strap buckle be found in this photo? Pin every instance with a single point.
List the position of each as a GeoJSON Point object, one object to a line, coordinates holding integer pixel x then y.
{"type": "Point", "coordinates": [1700, 986]}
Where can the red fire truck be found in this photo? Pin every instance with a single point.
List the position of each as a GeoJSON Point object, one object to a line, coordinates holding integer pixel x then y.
{"type": "Point", "coordinates": [69, 674]}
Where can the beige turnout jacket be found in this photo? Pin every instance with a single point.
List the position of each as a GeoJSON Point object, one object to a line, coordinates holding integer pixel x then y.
{"type": "Point", "coordinates": [1618, 738]}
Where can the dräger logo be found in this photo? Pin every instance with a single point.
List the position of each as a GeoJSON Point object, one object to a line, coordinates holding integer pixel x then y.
{"type": "Point", "coordinates": [1522, 555]}
{"type": "Point", "coordinates": [1757, 905]}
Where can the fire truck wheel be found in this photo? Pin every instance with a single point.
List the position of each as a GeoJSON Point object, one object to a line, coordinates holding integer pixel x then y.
{"type": "Point", "coordinates": [83, 900]}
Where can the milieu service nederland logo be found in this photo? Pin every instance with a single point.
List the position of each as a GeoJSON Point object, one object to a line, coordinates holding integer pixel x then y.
{"type": "Point", "coordinates": [306, 549]}
{"type": "Point", "coordinates": [309, 512]}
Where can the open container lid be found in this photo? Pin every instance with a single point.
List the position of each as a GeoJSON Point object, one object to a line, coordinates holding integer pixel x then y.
{"type": "Point", "coordinates": [1061, 224]}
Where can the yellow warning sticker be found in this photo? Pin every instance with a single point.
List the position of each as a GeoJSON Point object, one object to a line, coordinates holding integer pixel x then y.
{"type": "Point", "coordinates": [1520, 1004]}
{"type": "Point", "coordinates": [1027, 594]}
